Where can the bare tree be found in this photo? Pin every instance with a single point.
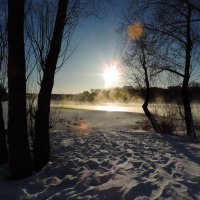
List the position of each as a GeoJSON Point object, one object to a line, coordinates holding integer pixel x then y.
{"type": "Point", "coordinates": [177, 23]}
{"type": "Point", "coordinates": [41, 142]}
{"type": "Point", "coordinates": [50, 37]}
{"type": "Point", "coordinates": [140, 58]}
{"type": "Point", "coordinates": [19, 152]}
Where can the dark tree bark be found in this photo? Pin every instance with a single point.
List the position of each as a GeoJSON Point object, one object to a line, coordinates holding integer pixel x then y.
{"type": "Point", "coordinates": [19, 152]}
{"type": "Point", "coordinates": [3, 143]}
{"type": "Point", "coordinates": [186, 96]}
{"type": "Point", "coordinates": [41, 143]}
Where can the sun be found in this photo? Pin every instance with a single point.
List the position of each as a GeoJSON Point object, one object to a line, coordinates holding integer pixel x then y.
{"type": "Point", "coordinates": [111, 76]}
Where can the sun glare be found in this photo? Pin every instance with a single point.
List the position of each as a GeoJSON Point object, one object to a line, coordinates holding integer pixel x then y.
{"type": "Point", "coordinates": [111, 108]}
{"type": "Point", "coordinates": [111, 76]}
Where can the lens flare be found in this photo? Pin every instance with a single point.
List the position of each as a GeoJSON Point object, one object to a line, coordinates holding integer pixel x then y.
{"type": "Point", "coordinates": [136, 30]}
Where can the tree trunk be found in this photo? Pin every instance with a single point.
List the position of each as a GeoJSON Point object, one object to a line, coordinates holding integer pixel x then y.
{"type": "Point", "coordinates": [3, 142]}
{"type": "Point", "coordinates": [41, 145]}
{"type": "Point", "coordinates": [150, 117]}
{"type": "Point", "coordinates": [188, 113]}
{"type": "Point", "coordinates": [147, 92]}
{"type": "Point", "coordinates": [186, 99]}
{"type": "Point", "coordinates": [19, 152]}
{"type": "Point", "coordinates": [145, 105]}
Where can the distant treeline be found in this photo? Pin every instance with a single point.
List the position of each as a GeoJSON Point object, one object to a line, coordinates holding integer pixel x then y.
{"type": "Point", "coordinates": [128, 94]}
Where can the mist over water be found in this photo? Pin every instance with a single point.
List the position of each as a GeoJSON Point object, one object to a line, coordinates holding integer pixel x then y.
{"type": "Point", "coordinates": [112, 107]}
{"type": "Point", "coordinates": [131, 107]}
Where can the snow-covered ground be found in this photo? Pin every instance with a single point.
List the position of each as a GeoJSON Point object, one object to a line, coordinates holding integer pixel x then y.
{"type": "Point", "coordinates": [101, 156]}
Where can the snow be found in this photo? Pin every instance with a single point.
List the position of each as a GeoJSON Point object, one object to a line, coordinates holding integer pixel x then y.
{"type": "Point", "coordinates": [99, 155]}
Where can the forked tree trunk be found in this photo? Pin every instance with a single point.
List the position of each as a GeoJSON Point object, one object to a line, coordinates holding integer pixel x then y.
{"type": "Point", "coordinates": [19, 152]}
{"type": "Point", "coordinates": [3, 143]}
{"type": "Point", "coordinates": [41, 143]}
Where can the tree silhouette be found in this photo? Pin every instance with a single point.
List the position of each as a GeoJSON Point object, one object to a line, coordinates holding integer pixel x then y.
{"type": "Point", "coordinates": [19, 152]}
{"type": "Point", "coordinates": [41, 142]}
{"type": "Point", "coordinates": [68, 12]}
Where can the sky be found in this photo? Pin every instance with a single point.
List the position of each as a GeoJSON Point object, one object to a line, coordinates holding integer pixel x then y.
{"type": "Point", "coordinates": [98, 44]}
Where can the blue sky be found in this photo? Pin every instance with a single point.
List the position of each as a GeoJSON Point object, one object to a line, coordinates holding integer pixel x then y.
{"type": "Point", "coordinates": [98, 45]}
